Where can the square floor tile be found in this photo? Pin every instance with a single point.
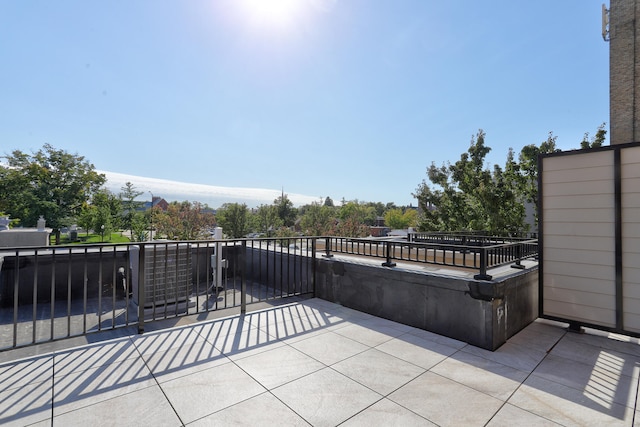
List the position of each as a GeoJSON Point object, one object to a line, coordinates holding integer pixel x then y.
{"type": "Point", "coordinates": [26, 371]}
{"type": "Point", "coordinates": [87, 387]}
{"type": "Point", "coordinates": [262, 410]}
{"type": "Point", "coordinates": [420, 352]}
{"type": "Point", "coordinates": [371, 335]}
{"type": "Point", "coordinates": [27, 404]}
{"type": "Point", "coordinates": [143, 407]}
{"type": "Point", "coordinates": [153, 342]}
{"type": "Point", "coordinates": [568, 406]}
{"type": "Point", "coordinates": [446, 402]}
{"type": "Point", "coordinates": [278, 366]}
{"type": "Point", "coordinates": [574, 347]}
{"type": "Point", "coordinates": [387, 413]}
{"type": "Point", "coordinates": [514, 355]}
{"type": "Point", "coordinates": [487, 376]}
{"type": "Point", "coordinates": [94, 356]}
{"type": "Point", "coordinates": [329, 347]}
{"type": "Point", "coordinates": [241, 344]}
{"type": "Point", "coordinates": [178, 362]}
{"type": "Point", "coordinates": [291, 328]}
{"type": "Point", "coordinates": [379, 371]}
{"type": "Point", "coordinates": [509, 416]}
{"type": "Point", "coordinates": [326, 398]}
{"type": "Point", "coordinates": [203, 393]}
{"type": "Point", "coordinates": [602, 381]}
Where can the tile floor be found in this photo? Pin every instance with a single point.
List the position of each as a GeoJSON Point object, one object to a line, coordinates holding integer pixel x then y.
{"type": "Point", "coordinates": [317, 363]}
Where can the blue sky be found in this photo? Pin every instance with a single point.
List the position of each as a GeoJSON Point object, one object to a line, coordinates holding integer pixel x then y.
{"type": "Point", "coordinates": [349, 99]}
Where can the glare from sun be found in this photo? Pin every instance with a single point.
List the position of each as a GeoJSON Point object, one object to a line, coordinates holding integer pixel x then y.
{"type": "Point", "coordinates": [273, 13]}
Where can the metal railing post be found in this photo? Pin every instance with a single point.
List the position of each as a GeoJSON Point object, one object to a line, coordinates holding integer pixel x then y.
{"type": "Point", "coordinates": [518, 263]}
{"type": "Point", "coordinates": [327, 248]}
{"type": "Point", "coordinates": [243, 283]}
{"type": "Point", "coordinates": [483, 266]}
{"type": "Point", "coordinates": [388, 262]}
{"type": "Point", "coordinates": [141, 285]}
{"type": "Point", "coordinates": [313, 265]}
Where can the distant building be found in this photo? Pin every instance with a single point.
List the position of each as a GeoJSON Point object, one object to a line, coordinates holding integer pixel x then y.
{"type": "Point", "coordinates": [156, 202]}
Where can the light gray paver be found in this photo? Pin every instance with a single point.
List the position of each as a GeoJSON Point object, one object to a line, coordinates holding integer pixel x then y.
{"type": "Point", "coordinates": [317, 363]}
{"type": "Point", "coordinates": [446, 402]}
{"type": "Point", "coordinates": [326, 398]}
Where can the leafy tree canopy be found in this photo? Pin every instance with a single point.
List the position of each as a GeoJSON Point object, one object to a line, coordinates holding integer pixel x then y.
{"type": "Point", "coordinates": [51, 182]}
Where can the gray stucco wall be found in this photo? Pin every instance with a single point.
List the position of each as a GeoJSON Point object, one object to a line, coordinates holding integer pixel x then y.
{"type": "Point", "coordinates": [481, 313]}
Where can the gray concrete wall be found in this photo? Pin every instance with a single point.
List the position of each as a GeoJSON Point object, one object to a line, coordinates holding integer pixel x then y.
{"type": "Point", "coordinates": [481, 313]}
{"type": "Point", "coordinates": [17, 237]}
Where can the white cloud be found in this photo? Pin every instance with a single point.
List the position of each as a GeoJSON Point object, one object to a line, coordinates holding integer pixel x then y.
{"type": "Point", "coordinates": [212, 195]}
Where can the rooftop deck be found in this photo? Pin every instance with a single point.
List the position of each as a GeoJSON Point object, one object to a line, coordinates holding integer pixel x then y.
{"type": "Point", "coordinates": [311, 362]}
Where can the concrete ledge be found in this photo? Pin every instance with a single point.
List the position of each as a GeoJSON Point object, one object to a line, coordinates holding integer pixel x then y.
{"type": "Point", "coordinates": [481, 313]}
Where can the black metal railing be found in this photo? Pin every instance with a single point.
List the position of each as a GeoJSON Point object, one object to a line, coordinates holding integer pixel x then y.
{"type": "Point", "coordinates": [55, 292]}
{"type": "Point", "coordinates": [479, 253]}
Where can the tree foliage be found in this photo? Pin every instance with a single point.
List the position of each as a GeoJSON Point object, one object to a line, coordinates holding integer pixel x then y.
{"type": "Point", "coordinates": [597, 140]}
{"type": "Point", "coordinates": [51, 182]}
{"type": "Point", "coordinates": [318, 220]}
{"type": "Point", "coordinates": [396, 219]}
{"type": "Point", "coordinates": [467, 196]}
{"type": "Point", "coordinates": [286, 212]}
{"type": "Point", "coordinates": [232, 217]}
{"type": "Point", "coordinates": [130, 206]}
{"type": "Point", "coordinates": [184, 221]}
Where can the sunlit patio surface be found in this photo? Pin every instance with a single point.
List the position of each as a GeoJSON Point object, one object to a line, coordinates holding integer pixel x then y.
{"type": "Point", "coordinates": [311, 362]}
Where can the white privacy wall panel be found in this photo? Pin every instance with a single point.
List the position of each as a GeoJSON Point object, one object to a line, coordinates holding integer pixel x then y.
{"type": "Point", "coordinates": [630, 177]}
{"type": "Point", "coordinates": [578, 245]}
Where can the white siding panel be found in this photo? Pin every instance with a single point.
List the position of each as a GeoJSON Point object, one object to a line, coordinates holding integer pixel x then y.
{"type": "Point", "coordinates": [583, 284]}
{"type": "Point", "coordinates": [579, 215]}
{"type": "Point", "coordinates": [578, 176]}
{"type": "Point", "coordinates": [631, 230]}
{"type": "Point", "coordinates": [630, 155]}
{"type": "Point", "coordinates": [630, 246]}
{"type": "Point", "coordinates": [606, 244]}
{"type": "Point", "coordinates": [599, 316]}
{"type": "Point", "coordinates": [631, 199]}
{"type": "Point", "coordinates": [596, 257]}
{"type": "Point", "coordinates": [632, 321]}
{"type": "Point", "coordinates": [601, 272]}
{"type": "Point", "coordinates": [580, 201]}
{"type": "Point", "coordinates": [632, 297]}
{"type": "Point", "coordinates": [578, 161]}
{"type": "Point", "coordinates": [578, 188]}
{"type": "Point", "coordinates": [587, 299]}
{"type": "Point", "coordinates": [586, 229]}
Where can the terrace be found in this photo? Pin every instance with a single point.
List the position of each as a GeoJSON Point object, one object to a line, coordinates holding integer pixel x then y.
{"type": "Point", "coordinates": [312, 362]}
{"type": "Point", "coordinates": [248, 340]}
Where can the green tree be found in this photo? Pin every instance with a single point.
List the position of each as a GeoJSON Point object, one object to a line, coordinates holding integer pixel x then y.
{"type": "Point", "coordinates": [528, 168]}
{"type": "Point", "coordinates": [286, 212]}
{"type": "Point", "coordinates": [318, 220]}
{"type": "Point", "coordinates": [468, 196]}
{"type": "Point", "coordinates": [185, 221]}
{"type": "Point", "coordinates": [232, 217]}
{"type": "Point", "coordinates": [267, 219]}
{"type": "Point", "coordinates": [397, 219]}
{"type": "Point", "coordinates": [107, 213]}
{"type": "Point", "coordinates": [130, 206]}
{"type": "Point", "coordinates": [139, 227]}
{"type": "Point", "coordinates": [597, 140]}
{"type": "Point", "coordinates": [50, 182]}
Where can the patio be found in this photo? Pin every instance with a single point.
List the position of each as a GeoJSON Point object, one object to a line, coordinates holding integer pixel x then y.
{"type": "Point", "coordinates": [311, 362]}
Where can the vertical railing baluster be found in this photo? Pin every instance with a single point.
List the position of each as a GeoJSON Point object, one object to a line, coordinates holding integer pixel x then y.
{"type": "Point", "coordinates": [243, 283]}
{"type": "Point", "coordinates": [141, 287]}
